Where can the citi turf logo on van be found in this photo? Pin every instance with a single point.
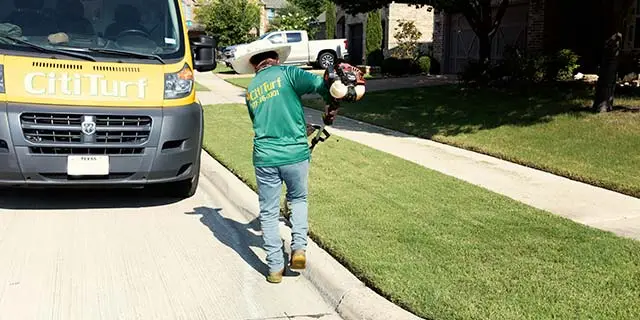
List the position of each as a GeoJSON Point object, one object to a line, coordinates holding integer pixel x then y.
{"type": "Point", "coordinates": [76, 84]}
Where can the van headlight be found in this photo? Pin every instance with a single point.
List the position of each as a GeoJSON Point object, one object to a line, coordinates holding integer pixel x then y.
{"type": "Point", "coordinates": [179, 84]}
{"type": "Point", "coordinates": [1, 79]}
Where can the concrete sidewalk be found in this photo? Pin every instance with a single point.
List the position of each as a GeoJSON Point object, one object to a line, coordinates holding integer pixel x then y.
{"type": "Point", "coordinates": [583, 203]}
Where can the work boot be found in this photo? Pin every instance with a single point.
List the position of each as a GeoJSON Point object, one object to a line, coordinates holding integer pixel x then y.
{"type": "Point", "coordinates": [298, 259]}
{"type": "Point", "coordinates": [275, 277]}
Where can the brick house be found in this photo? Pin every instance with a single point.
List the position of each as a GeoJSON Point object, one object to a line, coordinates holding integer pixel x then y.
{"type": "Point", "coordinates": [532, 25]}
{"type": "Point", "coordinates": [269, 12]}
{"type": "Point", "coordinates": [353, 28]}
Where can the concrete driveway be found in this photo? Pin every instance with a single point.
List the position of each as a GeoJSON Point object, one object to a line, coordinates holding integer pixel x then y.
{"type": "Point", "coordinates": [122, 254]}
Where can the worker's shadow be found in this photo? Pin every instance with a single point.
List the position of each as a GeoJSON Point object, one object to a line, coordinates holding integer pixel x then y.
{"type": "Point", "coordinates": [240, 237]}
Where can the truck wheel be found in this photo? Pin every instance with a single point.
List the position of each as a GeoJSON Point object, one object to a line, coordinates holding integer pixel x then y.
{"type": "Point", "coordinates": [326, 59]}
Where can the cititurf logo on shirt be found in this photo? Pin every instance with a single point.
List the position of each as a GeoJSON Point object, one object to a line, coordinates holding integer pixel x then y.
{"type": "Point", "coordinates": [264, 92]}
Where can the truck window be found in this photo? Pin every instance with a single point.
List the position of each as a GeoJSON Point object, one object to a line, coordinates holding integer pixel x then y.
{"type": "Point", "coordinates": [140, 26]}
{"type": "Point", "coordinates": [294, 37]}
{"type": "Point", "coordinates": [276, 38]}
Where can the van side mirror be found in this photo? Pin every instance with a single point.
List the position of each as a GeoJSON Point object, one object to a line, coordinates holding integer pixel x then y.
{"type": "Point", "coordinates": [204, 52]}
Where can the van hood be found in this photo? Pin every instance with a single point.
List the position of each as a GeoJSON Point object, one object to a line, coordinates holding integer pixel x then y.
{"type": "Point", "coordinates": [69, 82]}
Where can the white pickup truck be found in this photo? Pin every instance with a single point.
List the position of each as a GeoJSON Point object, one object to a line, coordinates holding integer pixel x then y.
{"type": "Point", "coordinates": [318, 53]}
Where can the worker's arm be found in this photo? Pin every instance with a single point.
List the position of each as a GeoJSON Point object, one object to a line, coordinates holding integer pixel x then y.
{"type": "Point", "coordinates": [305, 82]}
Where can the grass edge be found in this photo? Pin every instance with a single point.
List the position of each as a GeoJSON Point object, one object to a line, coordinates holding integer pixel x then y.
{"type": "Point", "coordinates": [628, 191]}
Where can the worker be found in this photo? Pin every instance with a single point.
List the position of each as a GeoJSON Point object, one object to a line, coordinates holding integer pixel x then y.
{"type": "Point", "coordinates": [280, 146]}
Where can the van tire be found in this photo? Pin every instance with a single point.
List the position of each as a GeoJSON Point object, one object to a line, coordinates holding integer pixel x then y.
{"type": "Point", "coordinates": [182, 189]}
{"type": "Point", "coordinates": [326, 58]}
{"type": "Point", "coordinates": [186, 189]}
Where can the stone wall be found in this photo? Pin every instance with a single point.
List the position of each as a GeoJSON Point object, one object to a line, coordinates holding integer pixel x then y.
{"type": "Point", "coordinates": [353, 19]}
{"type": "Point", "coordinates": [439, 27]}
{"type": "Point", "coordinates": [535, 26]}
{"type": "Point", "coordinates": [391, 16]}
{"type": "Point", "coordinates": [422, 17]}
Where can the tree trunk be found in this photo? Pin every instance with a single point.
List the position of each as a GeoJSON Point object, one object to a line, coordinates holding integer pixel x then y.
{"type": "Point", "coordinates": [615, 14]}
{"type": "Point", "coordinates": [484, 25]}
{"type": "Point", "coordinates": [607, 75]}
{"type": "Point", "coordinates": [484, 48]}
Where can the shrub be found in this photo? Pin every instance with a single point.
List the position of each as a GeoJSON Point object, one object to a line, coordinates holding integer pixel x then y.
{"type": "Point", "coordinates": [435, 65]}
{"type": "Point", "coordinates": [331, 20]}
{"type": "Point", "coordinates": [407, 35]}
{"type": "Point", "coordinates": [562, 65]}
{"type": "Point", "coordinates": [374, 32]}
{"type": "Point", "coordinates": [516, 67]}
{"type": "Point", "coordinates": [475, 73]}
{"type": "Point", "coordinates": [424, 63]}
{"type": "Point", "coordinates": [375, 58]}
{"type": "Point", "coordinates": [398, 67]}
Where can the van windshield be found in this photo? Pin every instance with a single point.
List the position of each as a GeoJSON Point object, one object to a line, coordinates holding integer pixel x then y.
{"type": "Point", "coordinates": [141, 27]}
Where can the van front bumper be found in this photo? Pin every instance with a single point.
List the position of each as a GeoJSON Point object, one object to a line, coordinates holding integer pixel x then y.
{"type": "Point", "coordinates": [143, 145]}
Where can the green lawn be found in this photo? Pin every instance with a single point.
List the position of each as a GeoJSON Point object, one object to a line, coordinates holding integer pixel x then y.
{"type": "Point", "coordinates": [244, 81]}
{"type": "Point", "coordinates": [443, 248]}
{"type": "Point", "coordinates": [222, 68]}
{"type": "Point", "coordinates": [240, 82]}
{"type": "Point", "coordinates": [200, 87]}
{"type": "Point", "coordinates": [549, 132]}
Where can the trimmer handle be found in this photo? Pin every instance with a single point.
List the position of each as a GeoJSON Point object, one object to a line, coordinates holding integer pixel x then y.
{"type": "Point", "coordinates": [318, 137]}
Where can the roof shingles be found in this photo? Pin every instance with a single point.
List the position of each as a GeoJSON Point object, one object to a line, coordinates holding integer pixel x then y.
{"type": "Point", "coordinates": [275, 4]}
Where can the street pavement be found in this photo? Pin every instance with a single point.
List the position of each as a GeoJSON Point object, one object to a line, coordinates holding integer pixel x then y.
{"type": "Point", "coordinates": [123, 254]}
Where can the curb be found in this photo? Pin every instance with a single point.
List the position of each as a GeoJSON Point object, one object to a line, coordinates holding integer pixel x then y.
{"type": "Point", "coordinates": [349, 296]}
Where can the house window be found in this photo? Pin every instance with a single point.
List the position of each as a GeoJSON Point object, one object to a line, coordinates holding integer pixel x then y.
{"type": "Point", "coordinates": [271, 14]}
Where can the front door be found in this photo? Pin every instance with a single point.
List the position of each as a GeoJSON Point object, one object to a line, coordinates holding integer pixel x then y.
{"type": "Point", "coordinates": [355, 43]}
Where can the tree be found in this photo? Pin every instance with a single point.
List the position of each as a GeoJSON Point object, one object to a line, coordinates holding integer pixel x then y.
{"type": "Point", "coordinates": [292, 17]}
{"type": "Point", "coordinates": [407, 35]}
{"type": "Point", "coordinates": [313, 7]}
{"type": "Point", "coordinates": [330, 23]}
{"type": "Point", "coordinates": [230, 21]}
{"type": "Point", "coordinates": [374, 38]}
{"type": "Point", "coordinates": [477, 12]}
{"type": "Point", "coordinates": [615, 15]}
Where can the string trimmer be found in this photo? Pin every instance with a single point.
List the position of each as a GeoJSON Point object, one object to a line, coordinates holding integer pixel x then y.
{"type": "Point", "coordinates": [346, 83]}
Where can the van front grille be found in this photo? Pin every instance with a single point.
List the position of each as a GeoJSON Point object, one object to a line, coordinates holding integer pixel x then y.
{"type": "Point", "coordinates": [61, 131]}
{"type": "Point", "coordinates": [85, 151]}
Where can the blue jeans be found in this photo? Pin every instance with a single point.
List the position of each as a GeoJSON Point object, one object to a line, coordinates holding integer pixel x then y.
{"type": "Point", "coordinates": [270, 179]}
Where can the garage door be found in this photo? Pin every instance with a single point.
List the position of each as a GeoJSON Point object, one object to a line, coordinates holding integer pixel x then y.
{"type": "Point", "coordinates": [463, 43]}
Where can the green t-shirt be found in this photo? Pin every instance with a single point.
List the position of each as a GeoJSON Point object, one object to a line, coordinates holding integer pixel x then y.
{"type": "Point", "coordinates": [275, 108]}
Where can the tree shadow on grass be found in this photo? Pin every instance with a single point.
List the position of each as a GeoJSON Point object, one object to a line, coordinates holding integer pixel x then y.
{"type": "Point", "coordinates": [450, 110]}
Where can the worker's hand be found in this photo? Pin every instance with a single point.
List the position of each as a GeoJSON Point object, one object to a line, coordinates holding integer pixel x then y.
{"type": "Point", "coordinates": [310, 129]}
{"type": "Point", "coordinates": [329, 115]}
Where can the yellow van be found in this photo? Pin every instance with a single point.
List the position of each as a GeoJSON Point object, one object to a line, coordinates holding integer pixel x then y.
{"type": "Point", "coordinates": [98, 93]}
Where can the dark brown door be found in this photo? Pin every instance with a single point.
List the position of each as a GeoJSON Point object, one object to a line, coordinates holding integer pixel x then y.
{"type": "Point", "coordinates": [355, 43]}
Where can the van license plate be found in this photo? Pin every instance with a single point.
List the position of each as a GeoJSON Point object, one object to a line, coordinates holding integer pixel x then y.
{"type": "Point", "coordinates": [88, 165]}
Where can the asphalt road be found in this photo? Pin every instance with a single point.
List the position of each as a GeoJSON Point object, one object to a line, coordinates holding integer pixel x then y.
{"type": "Point", "coordinates": [122, 254]}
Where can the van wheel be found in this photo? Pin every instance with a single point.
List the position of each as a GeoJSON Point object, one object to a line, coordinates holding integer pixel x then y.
{"type": "Point", "coordinates": [326, 59]}
{"type": "Point", "coordinates": [186, 189]}
{"type": "Point", "coordinates": [181, 189]}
